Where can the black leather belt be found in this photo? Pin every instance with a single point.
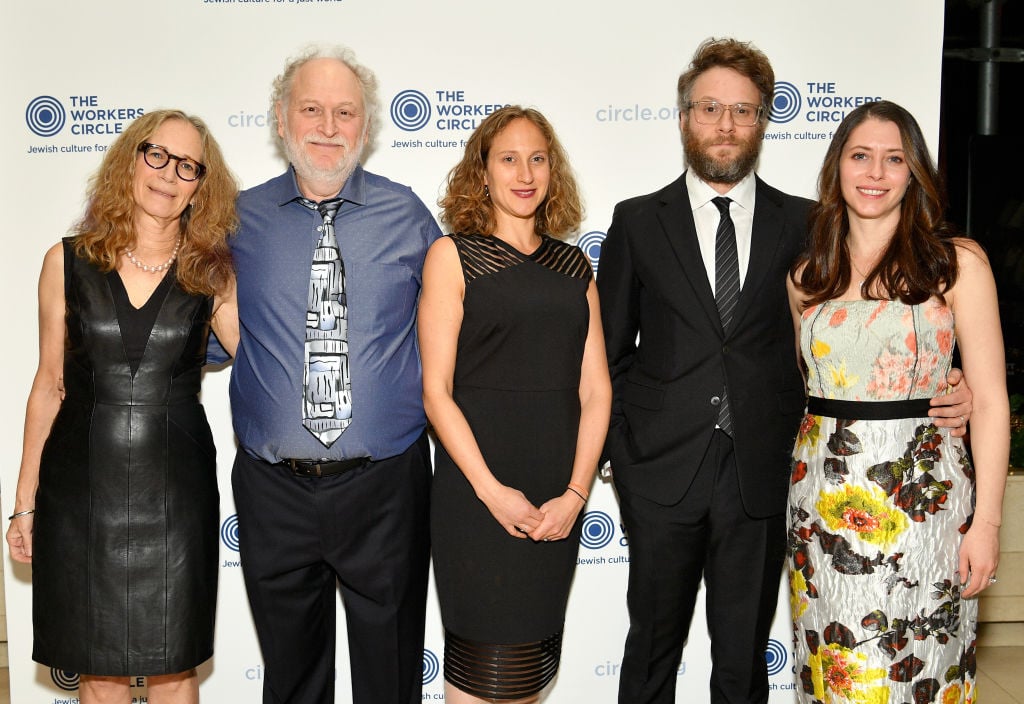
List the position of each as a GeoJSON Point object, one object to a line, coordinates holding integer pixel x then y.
{"type": "Point", "coordinates": [317, 468]}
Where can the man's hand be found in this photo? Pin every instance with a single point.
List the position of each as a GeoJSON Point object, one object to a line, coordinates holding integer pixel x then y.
{"type": "Point", "coordinates": [953, 410]}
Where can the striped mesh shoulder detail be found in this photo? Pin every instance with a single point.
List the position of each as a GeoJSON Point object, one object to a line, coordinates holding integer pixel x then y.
{"type": "Point", "coordinates": [482, 255]}
{"type": "Point", "coordinates": [564, 258]}
{"type": "Point", "coordinates": [496, 672]}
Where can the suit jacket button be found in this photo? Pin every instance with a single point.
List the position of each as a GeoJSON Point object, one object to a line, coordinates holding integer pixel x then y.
{"type": "Point", "coordinates": [715, 400]}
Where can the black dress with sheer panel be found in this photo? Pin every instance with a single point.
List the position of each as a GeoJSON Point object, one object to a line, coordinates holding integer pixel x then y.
{"type": "Point", "coordinates": [124, 566]}
{"type": "Point", "coordinates": [516, 380]}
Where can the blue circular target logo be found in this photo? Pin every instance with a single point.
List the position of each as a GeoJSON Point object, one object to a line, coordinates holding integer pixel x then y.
{"type": "Point", "coordinates": [591, 243]}
{"type": "Point", "coordinates": [65, 679]}
{"type": "Point", "coordinates": [431, 666]}
{"type": "Point", "coordinates": [45, 116]}
{"type": "Point", "coordinates": [776, 656]}
{"type": "Point", "coordinates": [786, 103]}
{"type": "Point", "coordinates": [598, 530]}
{"type": "Point", "coordinates": [229, 532]}
{"type": "Point", "coordinates": [410, 110]}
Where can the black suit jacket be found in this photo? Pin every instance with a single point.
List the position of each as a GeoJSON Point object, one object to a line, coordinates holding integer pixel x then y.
{"type": "Point", "coordinates": [652, 281]}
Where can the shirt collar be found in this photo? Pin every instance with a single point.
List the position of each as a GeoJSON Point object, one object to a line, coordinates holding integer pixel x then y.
{"type": "Point", "coordinates": [701, 193]}
{"type": "Point", "coordinates": [353, 191]}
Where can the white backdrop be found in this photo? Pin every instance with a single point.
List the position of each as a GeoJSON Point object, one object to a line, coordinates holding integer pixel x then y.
{"type": "Point", "coordinates": [603, 72]}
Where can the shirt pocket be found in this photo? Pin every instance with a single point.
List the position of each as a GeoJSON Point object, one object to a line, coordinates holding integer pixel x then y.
{"type": "Point", "coordinates": [381, 297]}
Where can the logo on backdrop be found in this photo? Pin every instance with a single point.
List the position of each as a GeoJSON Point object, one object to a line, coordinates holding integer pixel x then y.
{"type": "Point", "coordinates": [613, 669]}
{"type": "Point", "coordinates": [450, 115]}
{"type": "Point", "coordinates": [65, 679]}
{"type": "Point", "coordinates": [229, 532]}
{"type": "Point", "coordinates": [776, 656]}
{"type": "Point", "coordinates": [75, 123]}
{"type": "Point", "coordinates": [604, 538]}
{"type": "Point", "coordinates": [598, 530]}
{"type": "Point", "coordinates": [431, 666]}
{"type": "Point", "coordinates": [786, 103]}
{"type": "Point", "coordinates": [45, 116]}
{"type": "Point", "coordinates": [590, 243]}
{"type": "Point", "coordinates": [636, 113]}
{"type": "Point", "coordinates": [810, 110]}
{"type": "Point", "coordinates": [229, 536]}
{"type": "Point", "coordinates": [246, 120]}
{"type": "Point", "coordinates": [410, 110]}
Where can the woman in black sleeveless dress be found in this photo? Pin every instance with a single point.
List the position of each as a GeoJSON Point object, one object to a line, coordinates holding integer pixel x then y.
{"type": "Point", "coordinates": [516, 386]}
{"type": "Point", "coordinates": [117, 504]}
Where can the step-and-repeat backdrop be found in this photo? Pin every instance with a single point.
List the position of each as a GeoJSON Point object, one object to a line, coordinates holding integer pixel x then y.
{"type": "Point", "coordinates": [603, 72]}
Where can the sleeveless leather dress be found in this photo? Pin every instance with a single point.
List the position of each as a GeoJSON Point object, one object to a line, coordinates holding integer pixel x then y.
{"type": "Point", "coordinates": [127, 509]}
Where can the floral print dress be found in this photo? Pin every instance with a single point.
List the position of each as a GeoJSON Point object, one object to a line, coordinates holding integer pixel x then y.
{"type": "Point", "coordinates": [877, 510]}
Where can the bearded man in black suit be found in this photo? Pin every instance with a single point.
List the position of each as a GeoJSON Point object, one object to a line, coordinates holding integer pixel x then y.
{"type": "Point", "coordinates": [707, 392]}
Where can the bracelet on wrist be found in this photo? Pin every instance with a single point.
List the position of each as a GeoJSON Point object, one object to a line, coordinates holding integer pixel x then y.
{"type": "Point", "coordinates": [579, 491]}
{"type": "Point", "coordinates": [19, 513]}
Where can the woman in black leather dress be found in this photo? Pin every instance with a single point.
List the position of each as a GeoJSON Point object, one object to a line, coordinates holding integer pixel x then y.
{"type": "Point", "coordinates": [117, 504]}
{"type": "Point", "coordinates": [515, 382]}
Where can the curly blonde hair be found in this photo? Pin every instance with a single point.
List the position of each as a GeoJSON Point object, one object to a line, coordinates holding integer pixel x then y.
{"type": "Point", "coordinates": [108, 225]}
{"type": "Point", "coordinates": [465, 207]}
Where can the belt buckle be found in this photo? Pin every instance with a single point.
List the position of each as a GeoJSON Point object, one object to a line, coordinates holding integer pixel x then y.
{"type": "Point", "coordinates": [305, 469]}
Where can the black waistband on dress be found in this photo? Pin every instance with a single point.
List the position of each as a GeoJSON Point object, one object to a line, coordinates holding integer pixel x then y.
{"type": "Point", "coordinates": [868, 410]}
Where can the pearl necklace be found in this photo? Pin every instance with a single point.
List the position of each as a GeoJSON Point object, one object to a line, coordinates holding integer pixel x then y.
{"type": "Point", "coordinates": [159, 267]}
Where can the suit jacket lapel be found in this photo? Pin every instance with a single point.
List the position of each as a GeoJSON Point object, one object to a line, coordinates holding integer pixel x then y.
{"type": "Point", "coordinates": [676, 218]}
{"type": "Point", "coordinates": [764, 243]}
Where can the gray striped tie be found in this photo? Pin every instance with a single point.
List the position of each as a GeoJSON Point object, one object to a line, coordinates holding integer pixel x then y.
{"type": "Point", "coordinates": [727, 287]}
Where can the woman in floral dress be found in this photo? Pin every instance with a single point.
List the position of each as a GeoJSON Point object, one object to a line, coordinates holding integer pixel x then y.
{"type": "Point", "coordinates": [892, 528]}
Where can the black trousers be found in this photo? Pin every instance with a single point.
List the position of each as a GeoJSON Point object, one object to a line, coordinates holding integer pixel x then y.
{"type": "Point", "coordinates": [707, 534]}
{"type": "Point", "coordinates": [366, 531]}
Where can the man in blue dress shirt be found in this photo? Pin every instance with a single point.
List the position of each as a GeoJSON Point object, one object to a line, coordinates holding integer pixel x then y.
{"type": "Point", "coordinates": [352, 508]}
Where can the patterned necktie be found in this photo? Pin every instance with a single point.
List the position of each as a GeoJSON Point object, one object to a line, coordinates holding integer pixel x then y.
{"type": "Point", "coordinates": [326, 376]}
{"type": "Point", "coordinates": [727, 287]}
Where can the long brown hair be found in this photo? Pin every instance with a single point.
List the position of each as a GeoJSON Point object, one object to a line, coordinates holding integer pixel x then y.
{"type": "Point", "coordinates": [920, 259]}
{"type": "Point", "coordinates": [465, 207]}
{"type": "Point", "coordinates": [108, 227]}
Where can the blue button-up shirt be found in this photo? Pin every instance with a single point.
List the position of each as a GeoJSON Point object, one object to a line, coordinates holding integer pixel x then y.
{"type": "Point", "coordinates": [383, 233]}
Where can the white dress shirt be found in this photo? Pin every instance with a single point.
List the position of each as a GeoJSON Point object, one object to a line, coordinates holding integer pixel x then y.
{"type": "Point", "coordinates": [706, 218]}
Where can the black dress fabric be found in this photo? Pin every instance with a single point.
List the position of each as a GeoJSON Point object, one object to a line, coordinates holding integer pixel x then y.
{"type": "Point", "coordinates": [125, 534]}
{"type": "Point", "coordinates": [136, 324]}
{"type": "Point", "coordinates": [516, 380]}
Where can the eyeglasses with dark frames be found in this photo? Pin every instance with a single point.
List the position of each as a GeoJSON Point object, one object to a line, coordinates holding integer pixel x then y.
{"type": "Point", "coordinates": [709, 112]}
{"type": "Point", "coordinates": [157, 157]}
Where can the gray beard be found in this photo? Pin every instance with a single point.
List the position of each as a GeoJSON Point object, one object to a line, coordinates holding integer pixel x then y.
{"type": "Point", "coordinates": [310, 173]}
{"type": "Point", "coordinates": [711, 170]}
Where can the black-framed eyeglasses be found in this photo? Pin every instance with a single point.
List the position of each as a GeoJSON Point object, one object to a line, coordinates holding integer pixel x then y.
{"type": "Point", "coordinates": [158, 157]}
{"type": "Point", "coordinates": [709, 112]}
